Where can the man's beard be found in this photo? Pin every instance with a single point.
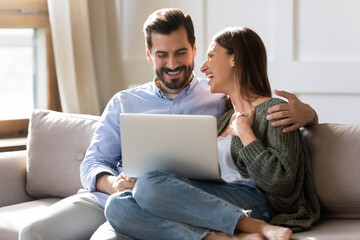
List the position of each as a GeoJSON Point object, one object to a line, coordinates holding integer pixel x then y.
{"type": "Point", "coordinates": [175, 83]}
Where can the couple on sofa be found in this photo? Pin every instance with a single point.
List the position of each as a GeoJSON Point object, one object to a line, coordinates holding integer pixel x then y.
{"type": "Point", "coordinates": [269, 191]}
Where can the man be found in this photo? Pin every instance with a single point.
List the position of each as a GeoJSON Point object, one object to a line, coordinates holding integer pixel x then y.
{"type": "Point", "coordinates": [171, 49]}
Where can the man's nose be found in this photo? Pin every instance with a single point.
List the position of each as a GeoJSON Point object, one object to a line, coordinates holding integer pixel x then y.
{"type": "Point", "coordinates": [172, 62]}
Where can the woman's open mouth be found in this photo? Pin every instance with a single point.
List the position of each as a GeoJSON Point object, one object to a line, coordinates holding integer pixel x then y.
{"type": "Point", "coordinates": [210, 76]}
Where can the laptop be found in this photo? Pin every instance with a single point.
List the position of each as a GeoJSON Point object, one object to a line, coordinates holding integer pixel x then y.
{"type": "Point", "coordinates": [183, 144]}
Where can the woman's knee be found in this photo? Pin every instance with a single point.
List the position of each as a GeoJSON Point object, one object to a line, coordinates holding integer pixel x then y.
{"type": "Point", "coordinates": [150, 187]}
{"type": "Point", "coordinates": [121, 211]}
{"type": "Point", "coordinates": [116, 206]}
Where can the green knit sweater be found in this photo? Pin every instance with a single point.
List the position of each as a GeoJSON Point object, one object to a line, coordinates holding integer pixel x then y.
{"type": "Point", "coordinates": [280, 165]}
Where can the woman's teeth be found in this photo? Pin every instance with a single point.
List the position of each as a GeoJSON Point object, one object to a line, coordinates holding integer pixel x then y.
{"type": "Point", "coordinates": [210, 76]}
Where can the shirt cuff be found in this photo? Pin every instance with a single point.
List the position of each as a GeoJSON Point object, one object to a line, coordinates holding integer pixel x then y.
{"type": "Point", "coordinates": [92, 187]}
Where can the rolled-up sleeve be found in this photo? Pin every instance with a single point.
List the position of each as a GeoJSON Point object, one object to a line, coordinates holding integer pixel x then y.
{"type": "Point", "coordinates": [104, 152]}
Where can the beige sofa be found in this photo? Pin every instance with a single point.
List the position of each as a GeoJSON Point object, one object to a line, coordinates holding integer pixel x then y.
{"type": "Point", "coordinates": [29, 180]}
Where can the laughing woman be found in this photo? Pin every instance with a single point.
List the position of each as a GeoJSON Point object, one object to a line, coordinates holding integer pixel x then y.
{"type": "Point", "coordinates": [269, 190]}
{"type": "Point", "coordinates": [277, 163]}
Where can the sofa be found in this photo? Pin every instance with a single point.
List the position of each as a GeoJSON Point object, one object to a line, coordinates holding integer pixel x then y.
{"type": "Point", "coordinates": [57, 143]}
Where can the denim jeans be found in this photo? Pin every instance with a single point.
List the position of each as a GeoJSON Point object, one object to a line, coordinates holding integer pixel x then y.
{"type": "Point", "coordinates": [165, 206]}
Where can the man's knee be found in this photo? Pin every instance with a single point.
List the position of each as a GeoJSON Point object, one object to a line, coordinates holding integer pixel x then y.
{"type": "Point", "coordinates": [32, 231]}
{"type": "Point", "coordinates": [75, 217]}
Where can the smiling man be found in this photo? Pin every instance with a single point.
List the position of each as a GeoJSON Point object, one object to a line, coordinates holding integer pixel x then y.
{"type": "Point", "coordinates": [171, 49]}
{"type": "Point", "coordinates": [173, 60]}
{"type": "Point", "coordinates": [172, 56]}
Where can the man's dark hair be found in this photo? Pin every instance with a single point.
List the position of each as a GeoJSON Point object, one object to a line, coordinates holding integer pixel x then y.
{"type": "Point", "coordinates": [165, 21]}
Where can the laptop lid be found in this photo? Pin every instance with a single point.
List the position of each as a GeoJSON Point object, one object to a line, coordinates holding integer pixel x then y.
{"type": "Point", "coordinates": [184, 144]}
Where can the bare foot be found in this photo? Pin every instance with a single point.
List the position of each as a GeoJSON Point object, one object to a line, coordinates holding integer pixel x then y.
{"type": "Point", "coordinates": [249, 236]}
{"type": "Point", "coordinates": [270, 232]}
{"type": "Point", "coordinates": [277, 233]}
{"type": "Point", "coordinates": [241, 236]}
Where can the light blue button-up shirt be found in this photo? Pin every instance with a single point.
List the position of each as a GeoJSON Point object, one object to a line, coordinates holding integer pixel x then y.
{"type": "Point", "coordinates": [104, 152]}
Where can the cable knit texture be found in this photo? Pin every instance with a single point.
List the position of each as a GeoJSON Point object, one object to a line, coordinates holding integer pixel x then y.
{"type": "Point", "coordinates": [279, 164]}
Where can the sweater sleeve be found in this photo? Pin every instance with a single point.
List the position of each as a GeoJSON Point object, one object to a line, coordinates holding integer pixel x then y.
{"type": "Point", "coordinates": [273, 161]}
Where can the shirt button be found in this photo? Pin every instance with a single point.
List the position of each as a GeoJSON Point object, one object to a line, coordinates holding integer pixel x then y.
{"type": "Point", "coordinates": [176, 102]}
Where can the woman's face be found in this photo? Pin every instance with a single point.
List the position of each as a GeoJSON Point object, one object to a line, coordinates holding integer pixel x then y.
{"type": "Point", "coordinates": [219, 69]}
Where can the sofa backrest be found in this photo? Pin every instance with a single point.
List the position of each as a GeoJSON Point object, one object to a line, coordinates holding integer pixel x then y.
{"type": "Point", "coordinates": [57, 143]}
{"type": "Point", "coordinates": [335, 156]}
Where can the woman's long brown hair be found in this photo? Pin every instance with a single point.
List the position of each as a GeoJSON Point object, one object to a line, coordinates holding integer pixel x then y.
{"type": "Point", "coordinates": [250, 60]}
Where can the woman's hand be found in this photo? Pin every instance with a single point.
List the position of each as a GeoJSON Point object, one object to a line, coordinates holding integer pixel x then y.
{"type": "Point", "coordinates": [241, 126]}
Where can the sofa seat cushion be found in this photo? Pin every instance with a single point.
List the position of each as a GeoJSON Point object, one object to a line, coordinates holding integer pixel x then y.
{"type": "Point", "coordinates": [332, 229]}
{"type": "Point", "coordinates": [106, 231]}
{"type": "Point", "coordinates": [14, 217]}
{"type": "Point", "coordinates": [57, 144]}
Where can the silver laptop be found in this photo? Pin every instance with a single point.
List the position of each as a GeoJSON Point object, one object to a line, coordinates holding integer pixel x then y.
{"type": "Point", "coordinates": [184, 144]}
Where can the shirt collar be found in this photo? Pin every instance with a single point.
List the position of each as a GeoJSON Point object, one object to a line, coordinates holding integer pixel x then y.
{"type": "Point", "coordinates": [185, 91]}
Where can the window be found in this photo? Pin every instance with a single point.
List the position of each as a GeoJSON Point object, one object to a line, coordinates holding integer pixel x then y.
{"type": "Point", "coordinates": [22, 72]}
{"type": "Point", "coordinates": [27, 69]}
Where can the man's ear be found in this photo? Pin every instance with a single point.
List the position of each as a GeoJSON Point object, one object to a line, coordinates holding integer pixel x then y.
{"type": "Point", "coordinates": [195, 50]}
{"type": "Point", "coordinates": [148, 56]}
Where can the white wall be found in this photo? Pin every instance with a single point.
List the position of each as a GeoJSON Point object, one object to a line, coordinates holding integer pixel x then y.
{"type": "Point", "coordinates": [313, 45]}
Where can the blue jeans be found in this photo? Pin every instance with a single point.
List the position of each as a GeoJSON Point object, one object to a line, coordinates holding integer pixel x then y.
{"type": "Point", "coordinates": [165, 206]}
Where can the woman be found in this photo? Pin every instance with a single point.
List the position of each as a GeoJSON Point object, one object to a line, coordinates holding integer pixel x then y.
{"type": "Point", "coordinates": [268, 173]}
{"type": "Point", "coordinates": [278, 163]}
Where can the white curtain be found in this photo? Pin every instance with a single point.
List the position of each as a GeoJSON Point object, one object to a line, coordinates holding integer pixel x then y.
{"type": "Point", "coordinates": [74, 59]}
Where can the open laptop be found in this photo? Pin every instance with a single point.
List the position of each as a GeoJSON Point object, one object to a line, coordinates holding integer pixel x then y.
{"type": "Point", "coordinates": [184, 144]}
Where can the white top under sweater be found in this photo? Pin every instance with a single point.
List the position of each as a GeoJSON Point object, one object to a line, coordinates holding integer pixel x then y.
{"type": "Point", "coordinates": [229, 172]}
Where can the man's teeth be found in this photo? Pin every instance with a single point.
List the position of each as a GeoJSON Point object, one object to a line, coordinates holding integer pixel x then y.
{"type": "Point", "coordinates": [173, 73]}
{"type": "Point", "coordinates": [210, 75]}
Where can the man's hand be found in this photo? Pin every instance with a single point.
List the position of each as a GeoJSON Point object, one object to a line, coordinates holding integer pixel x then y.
{"type": "Point", "coordinates": [110, 184]}
{"type": "Point", "coordinates": [294, 113]}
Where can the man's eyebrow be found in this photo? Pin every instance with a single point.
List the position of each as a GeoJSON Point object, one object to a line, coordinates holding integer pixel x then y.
{"type": "Point", "coordinates": [160, 52]}
{"type": "Point", "coordinates": [177, 50]}
{"type": "Point", "coordinates": [181, 49]}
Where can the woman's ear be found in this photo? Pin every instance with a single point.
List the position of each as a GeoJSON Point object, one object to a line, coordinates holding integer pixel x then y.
{"type": "Point", "coordinates": [232, 63]}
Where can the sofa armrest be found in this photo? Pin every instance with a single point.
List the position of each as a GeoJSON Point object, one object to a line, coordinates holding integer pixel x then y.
{"type": "Point", "coordinates": [13, 177]}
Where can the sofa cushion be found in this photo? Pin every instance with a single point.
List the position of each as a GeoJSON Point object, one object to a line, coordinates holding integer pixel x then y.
{"type": "Point", "coordinates": [57, 143]}
{"type": "Point", "coordinates": [106, 231]}
{"type": "Point", "coordinates": [332, 229]}
{"type": "Point", "coordinates": [335, 155]}
{"type": "Point", "coordinates": [13, 178]}
{"type": "Point", "coordinates": [14, 217]}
